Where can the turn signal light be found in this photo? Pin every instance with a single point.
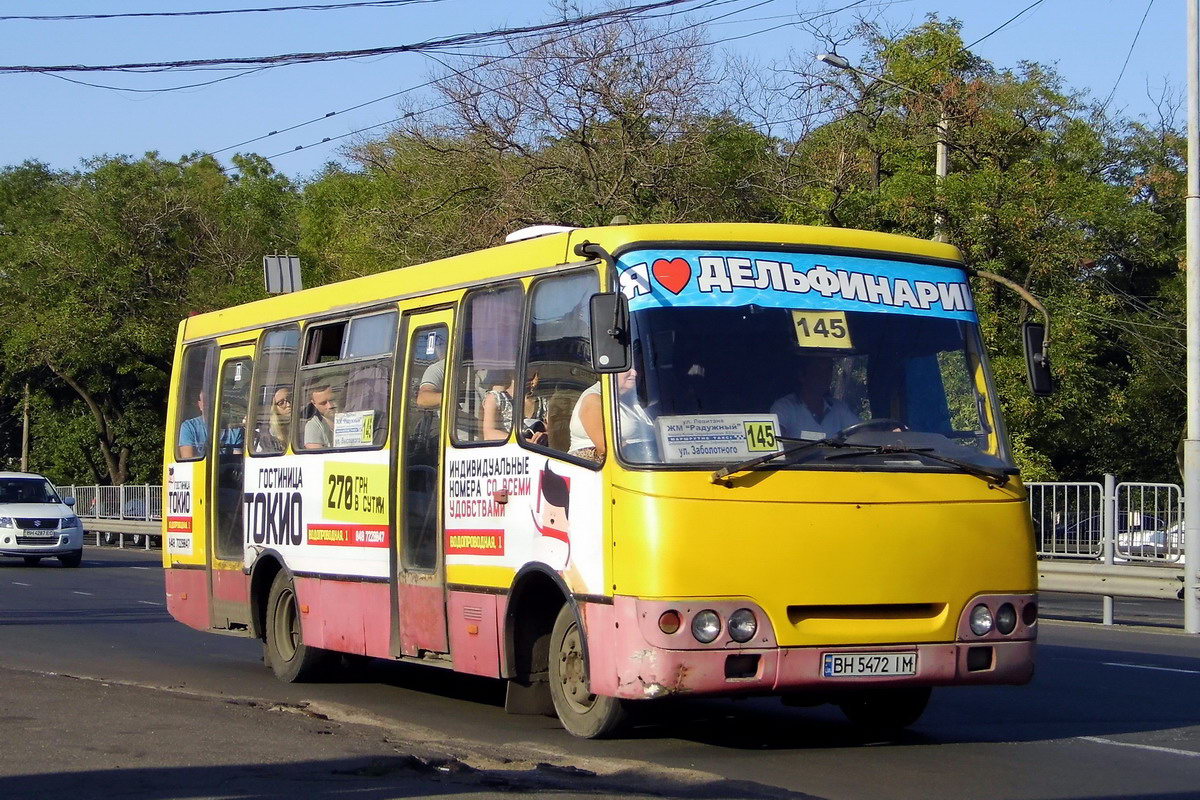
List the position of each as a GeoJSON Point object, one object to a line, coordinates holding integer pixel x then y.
{"type": "Point", "coordinates": [670, 622]}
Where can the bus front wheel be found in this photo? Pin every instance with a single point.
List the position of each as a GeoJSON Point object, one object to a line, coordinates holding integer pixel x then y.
{"type": "Point", "coordinates": [886, 710]}
{"type": "Point", "coordinates": [582, 713]}
{"type": "Point", "coordinates": [286, 653]}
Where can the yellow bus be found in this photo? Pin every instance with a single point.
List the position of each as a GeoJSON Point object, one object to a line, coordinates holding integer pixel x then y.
{"type": "Point", "coordinates": [610, 465]}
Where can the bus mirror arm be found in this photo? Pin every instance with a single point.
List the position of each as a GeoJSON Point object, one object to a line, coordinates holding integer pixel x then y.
{"type": "Point", "coordinates": [610, 343]}
{"type": "Point", "coordinates": [1035, 336]}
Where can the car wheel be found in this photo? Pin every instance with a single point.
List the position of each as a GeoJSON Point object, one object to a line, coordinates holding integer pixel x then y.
{"type": "Point", "coordinates": [72, 559]}
{"type": "Point", "coordinates": [108, 538]}
{"type": "Point", "coordinates": [285, 652]}
{"type": "Point", "coordinates": [136, 540]}
{"type": "Point", "coordinates": [582, 713]}
{"type": "Point", "coordinates": [32, 561]}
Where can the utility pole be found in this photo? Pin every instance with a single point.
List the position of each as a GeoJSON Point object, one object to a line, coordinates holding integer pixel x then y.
{"type": "Point", "coordinates": [25, 432]}
{"type": "Point", "coordinates": [1191, 447]}
{"type": "Point", "coordinates": [942, 164]}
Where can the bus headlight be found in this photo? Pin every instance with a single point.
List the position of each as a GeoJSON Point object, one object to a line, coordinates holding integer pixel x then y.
{"type": "Point", "coordinates": [1006, 619]}
{"type": "Point", "coordinates": [981, 620]}
{"type": "Point", "coordinates": [742, 625]}
{"type": "Point", "coordinates": [706, 626]}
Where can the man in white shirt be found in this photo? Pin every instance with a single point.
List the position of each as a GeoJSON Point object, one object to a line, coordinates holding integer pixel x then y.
{"type": "Point", "coordinates": [812, 412]}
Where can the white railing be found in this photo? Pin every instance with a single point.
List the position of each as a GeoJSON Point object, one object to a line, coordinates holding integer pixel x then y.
{"type": "Point", "coordinates": [131, 501]}
{"type": "Point", "coordinates": [1130, 522]}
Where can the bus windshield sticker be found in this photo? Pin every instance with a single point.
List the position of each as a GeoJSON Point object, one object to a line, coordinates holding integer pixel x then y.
{"type": "Point", "coordinates": [353, 428]}
{"type": "Point", "coordinates": [819, 282]}
{"type": "Point", "coordinates": [822, 329]}
{"type": "Point", "coordinates": [717, 437]}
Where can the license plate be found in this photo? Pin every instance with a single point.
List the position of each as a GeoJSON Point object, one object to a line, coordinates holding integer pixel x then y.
{"type": "Point", "coordinates": [40, 534]}
{"type": "Point", "coordinates": [862, 665]}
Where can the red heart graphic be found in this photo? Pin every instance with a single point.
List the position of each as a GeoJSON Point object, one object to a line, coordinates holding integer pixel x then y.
{"type": "Point", "coordinates": [673, 275]}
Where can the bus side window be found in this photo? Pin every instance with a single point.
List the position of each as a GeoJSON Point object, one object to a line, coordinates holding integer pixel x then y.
{"type": "Point", "coordinates": [344, 384]}
{"type": "Point", "coordinates": [557, 370]}
{"type": "Point", "coordinates": [485, 367]}
{"type": "Point", "coordinates": [272, 395]}
{"type": "Point", "coordinates": [194, 405]}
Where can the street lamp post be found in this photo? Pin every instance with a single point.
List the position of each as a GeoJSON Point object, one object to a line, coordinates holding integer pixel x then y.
{"type": "Point", "coordinates": [943, 161]}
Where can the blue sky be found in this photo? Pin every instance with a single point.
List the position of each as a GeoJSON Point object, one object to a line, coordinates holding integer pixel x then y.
{"type": "Point", "coordinates": [61, 123]}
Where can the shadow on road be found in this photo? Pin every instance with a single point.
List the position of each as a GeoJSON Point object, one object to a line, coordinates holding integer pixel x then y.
{"type": "Point", "coordinates": [376, 778]}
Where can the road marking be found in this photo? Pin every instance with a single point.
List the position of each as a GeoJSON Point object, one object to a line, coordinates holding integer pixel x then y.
{"type": "Point", "coordinates": [139, 567]}
{"type": "Point", "coordinates": [18, 583]}
{"type": "Point", "coordinates": [89, 594]}
{"type": "Point", "coordinates": [149, 603]}
{"type": "Point", "coordinates": [1147, 666]}
{"type": "Point", "coordinates": [1155, 748]}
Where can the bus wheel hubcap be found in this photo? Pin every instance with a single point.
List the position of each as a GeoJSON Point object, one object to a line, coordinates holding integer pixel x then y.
{"type": "Point", "coordinates": [287, 635]}
{"type": "Point", "coordinates": [572, 674]}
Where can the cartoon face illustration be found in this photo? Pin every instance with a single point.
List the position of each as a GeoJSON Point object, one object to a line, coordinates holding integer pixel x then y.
{"type": "Point", "coordinates": [551, 519]}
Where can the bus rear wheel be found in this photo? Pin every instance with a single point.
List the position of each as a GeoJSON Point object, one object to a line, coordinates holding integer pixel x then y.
{"type": "Point", "coordinates": [886, 711]}
{"type": "Point", "coordinates": [581, 712]}
{"type": "Point", "coordinates": [285, 652]}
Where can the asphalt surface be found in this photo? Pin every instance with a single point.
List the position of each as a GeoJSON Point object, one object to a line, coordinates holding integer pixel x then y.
{"type": "Point", "coordinates": [104, 695]}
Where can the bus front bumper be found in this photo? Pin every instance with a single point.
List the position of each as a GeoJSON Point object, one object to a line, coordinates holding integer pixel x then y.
{"type": "Point", "coordinates": [640, 669]}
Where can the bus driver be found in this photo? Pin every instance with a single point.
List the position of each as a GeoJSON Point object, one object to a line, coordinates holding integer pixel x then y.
{"type": "Point", "coordinates": [812, 412]}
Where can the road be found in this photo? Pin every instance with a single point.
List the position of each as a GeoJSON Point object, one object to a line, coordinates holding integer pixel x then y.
{"type": "Point", "coordinates": [105, 695]}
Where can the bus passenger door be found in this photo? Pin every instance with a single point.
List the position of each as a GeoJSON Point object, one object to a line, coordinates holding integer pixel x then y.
{"type": "Point", "coordinates": [420, 584]}
{"type": "Point", "coordinates": [228, 586]}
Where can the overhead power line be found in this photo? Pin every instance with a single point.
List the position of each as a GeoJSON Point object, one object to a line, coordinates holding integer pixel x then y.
{"type": "Point", "coordinates": [447, 43]}
{"type": "Point", "coordinates": [486, 61]}
{"type": "Point", "coordinates": [1128, 55]}
{"type": "Point", "coordinates": [411, 114]}
{"type": "Point", "coordinates": [213, 13]}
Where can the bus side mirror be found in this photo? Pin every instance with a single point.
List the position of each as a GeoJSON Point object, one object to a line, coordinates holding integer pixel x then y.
{"type": "Point", "coordinates": [610, 332]}
{"type": "Point", "coordinates": [1040, 383]}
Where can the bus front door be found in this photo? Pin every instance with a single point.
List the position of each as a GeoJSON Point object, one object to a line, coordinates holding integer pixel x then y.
{"type": "Point", "coordinates": [228, 586]}
{"type": "Point", "coordinates": [420, 584]}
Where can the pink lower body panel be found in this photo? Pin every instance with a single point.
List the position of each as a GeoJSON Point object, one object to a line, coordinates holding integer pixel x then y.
{"type": "Point", "coordinates": [346, 616]}
{"type": "Point", "coordinates": [474, 633]}
{"type": "Point", "coordinates": [624, 664]}
{"type": "Point", "coordinates": [187, 596]}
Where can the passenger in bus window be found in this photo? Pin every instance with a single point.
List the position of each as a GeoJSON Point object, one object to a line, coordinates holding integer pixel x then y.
{"type": "Point", "coordinates": [193, 434]}
{"type": "Point", "coordinates": [274, 438]}
{"type": "Point", "coordinates": [498, 409]}
{"type": "Point", "coordinates": [587, 420]}
{"type": "Point", "coordinates": [429, 393]}
{"type": "Point", "coordinates": [318, 431]}
{"type": "Point", "coordinates": [812, 412]}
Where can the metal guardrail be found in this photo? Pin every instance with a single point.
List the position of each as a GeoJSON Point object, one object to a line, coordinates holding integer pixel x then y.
{"type": "Point", "coordinates": [1111, 580]}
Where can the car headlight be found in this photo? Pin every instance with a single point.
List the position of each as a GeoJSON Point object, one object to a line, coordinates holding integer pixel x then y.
{"type": "Point", "coordinates": [70, 522]}
{"type": "Point", "coordinates": [7, 522]}
{"type": "Point", "coordinates": [706, 626]}
{"type": "Point", "coordinates": [742, 625]}
{"type": "Point", "coordinates": [981, 620]}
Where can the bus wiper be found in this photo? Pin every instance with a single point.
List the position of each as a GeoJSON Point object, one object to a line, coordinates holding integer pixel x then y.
{"type": "Point", "coordinates": [721, 475]}
{"type": "Point", "coordinates": [997, 476]}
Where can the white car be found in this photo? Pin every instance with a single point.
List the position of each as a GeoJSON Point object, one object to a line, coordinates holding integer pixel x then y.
{"type": "Point", "coordinates": [36, 523]}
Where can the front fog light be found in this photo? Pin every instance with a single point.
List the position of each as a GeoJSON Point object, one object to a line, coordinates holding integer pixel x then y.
{"type": "Point", "coordinates": [706, 626]}
{"type": "Point", "coordinates": [981, 620]}
{"type": "Point", "coordinates": [742, 625]}
{"type": "Point", "coordinates": [1006, 619]}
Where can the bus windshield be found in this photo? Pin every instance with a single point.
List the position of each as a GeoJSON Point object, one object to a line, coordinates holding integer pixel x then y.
{"type": "Point", "coordinates": [717, 381]}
